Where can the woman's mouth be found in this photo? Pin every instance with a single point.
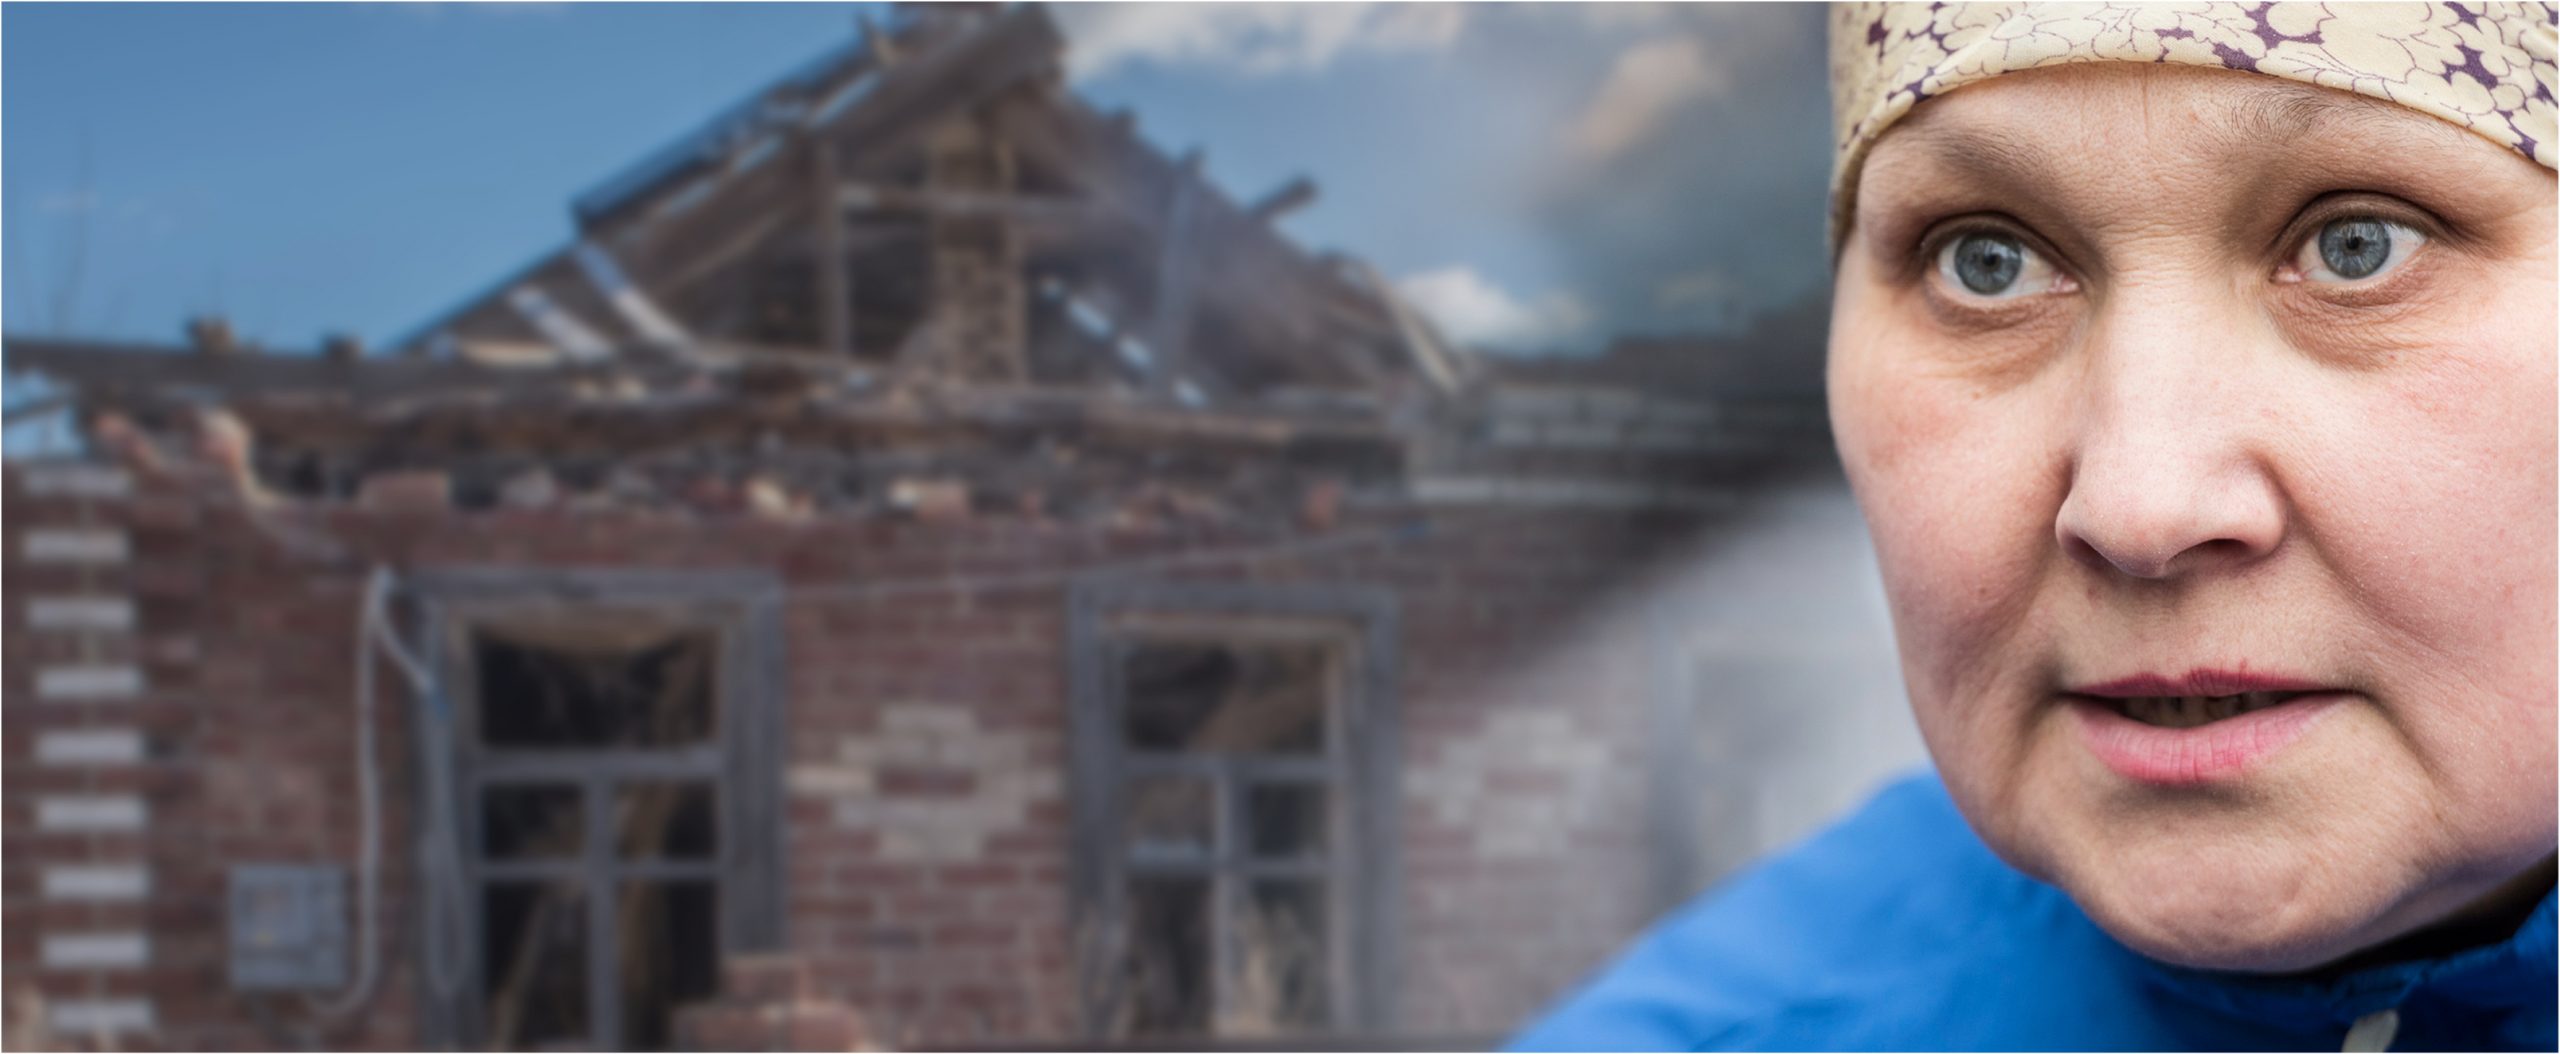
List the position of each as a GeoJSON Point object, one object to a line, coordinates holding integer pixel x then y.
{"type": "Point", "coordinates": [2199, 728]}
{"type": "Point", "coordinates": [2190, 711]}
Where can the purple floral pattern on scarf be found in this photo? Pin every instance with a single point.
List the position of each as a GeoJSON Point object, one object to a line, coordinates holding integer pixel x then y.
{"type": "Point", "coordinates": [2487, 67]}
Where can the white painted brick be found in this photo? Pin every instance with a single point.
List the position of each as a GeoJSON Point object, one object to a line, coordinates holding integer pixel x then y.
{"type": "Point", "coordinates": [81, 481]}
{"type": "Point", "coordinates": [84, 1018]}
{"type": "Point", "coordinates": [91, 812]}
{"type": "Point", "coordinates": [96, 951]}
{"type": "Point", "coordinates": [829, 781]}
{"type": "Point", "coordinates": [74, 545]}
{"type": "Point", "coordinates": [90, 746]}
{"type": "Point", "coordinates": [1453, 489]}
{"type": "Point", "coordinates": [927, 718]}
{"type": "Point", "coordinates": [102, 882]}
{"type": "Point", "coordinates": [84, 683]}
{"type": "Point", "coordinates": [102, 614]}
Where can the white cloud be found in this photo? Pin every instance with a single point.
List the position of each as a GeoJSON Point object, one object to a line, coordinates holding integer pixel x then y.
{"type": "Point", "coordinates": [1249, 38]}
{"type": "Point", "coordinates": [1473, 311]}
{"type": "Point", "coordinates": [1649, 81]}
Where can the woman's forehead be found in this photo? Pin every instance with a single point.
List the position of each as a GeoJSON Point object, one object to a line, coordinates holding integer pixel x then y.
{"type": "Point", "coordinates": [2126, 105]}
{"type": "Point", "coordinates": [2100, 121]}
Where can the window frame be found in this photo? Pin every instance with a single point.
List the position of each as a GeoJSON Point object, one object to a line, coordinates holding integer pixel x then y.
{"type": "Point", "coordinates": [741, 610]}
{"type": "Point", "coordinates": [1107, 617]}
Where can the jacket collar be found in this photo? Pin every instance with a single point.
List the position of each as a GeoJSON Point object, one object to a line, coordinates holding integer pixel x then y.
{"type": "Point", "coordinates": [2515, 972]}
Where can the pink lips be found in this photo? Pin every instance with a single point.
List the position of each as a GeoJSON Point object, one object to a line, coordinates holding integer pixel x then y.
{"type": "Point", "coordinates": [2206, 753]}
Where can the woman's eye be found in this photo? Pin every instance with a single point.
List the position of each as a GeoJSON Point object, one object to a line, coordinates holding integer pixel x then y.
{"type": "Point", "coordinates": [2356, 248]}
{"type": "Point", "coordinates": [1993, 266]}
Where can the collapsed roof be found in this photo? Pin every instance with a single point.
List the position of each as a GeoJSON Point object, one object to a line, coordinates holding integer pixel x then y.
{"type": "Point", "coordinates": [919, 253]}
{"type": "Point", "coordinates": [932, 200]}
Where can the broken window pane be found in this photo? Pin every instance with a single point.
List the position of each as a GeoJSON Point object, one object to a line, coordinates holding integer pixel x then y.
{"type": "Point", "coordinates": [1171, 816]}
{"type": "Point", "coordinates": [1285, 820]}
{"type": "Point", "coordinates": [665, 821]}
{"type": "Point", "coordinates": [531, 821]}
{"type": "Point", "coordinates": [533, 964]}
{"type": "Point", "coordinates": [1248, 698]}
{"type": "Point", "coordinates": [670, 956]}
{"type": "Point", "coordinates": [567, 693]}
{"type": "Point", "coordinates": [1168, 966]}
{"type": "Point", "coordinates": [1280, 962]}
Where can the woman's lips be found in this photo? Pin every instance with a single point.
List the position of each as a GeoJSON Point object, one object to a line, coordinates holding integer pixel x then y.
{"type": "Point", "coordinates": [2173, 757]}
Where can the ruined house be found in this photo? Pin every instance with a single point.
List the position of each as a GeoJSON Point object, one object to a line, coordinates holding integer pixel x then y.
{"type": "Point", "coordinates": [922, 566]}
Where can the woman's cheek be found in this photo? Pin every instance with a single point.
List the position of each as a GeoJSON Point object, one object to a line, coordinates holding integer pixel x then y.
{"type": "Point", "coordinates": [1953, 481]}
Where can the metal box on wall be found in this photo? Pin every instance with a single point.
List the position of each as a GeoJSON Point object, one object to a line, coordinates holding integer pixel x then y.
{"type": "Point", "coordinates": [288, 927]}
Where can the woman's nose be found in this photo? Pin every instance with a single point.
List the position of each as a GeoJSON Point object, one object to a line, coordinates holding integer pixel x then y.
{"type": "Point", "coordinates": [2170, 474]}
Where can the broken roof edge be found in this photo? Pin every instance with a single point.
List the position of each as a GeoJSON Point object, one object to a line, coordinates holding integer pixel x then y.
{"type": "Point", "coordinates": [415, 339]}
{"type": "Point", "coordinates": [676, 160]}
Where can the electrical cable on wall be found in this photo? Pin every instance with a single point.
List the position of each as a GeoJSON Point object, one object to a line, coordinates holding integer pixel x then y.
{"type": "Point", "coordinates": [375, 628]}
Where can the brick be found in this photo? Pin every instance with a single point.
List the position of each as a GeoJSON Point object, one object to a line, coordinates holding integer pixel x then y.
{"type": "Point", "coordinates": [765, 978]}
{"type": "Point", "coordinates": [88, 683]}
{"type": "Point", "coordinates": [102, 614]}
{"type": "Point", "coordinates": [91, 812]}
{"type": "Point", "coordinates": [820, 1026]}
{"type": "Point", "coordinates": [83, 1018]}
{"type": "Point", "coordinates": [407, 491]}
{"type": "Point", "coordinates": [101, 882]}
{"type": "Point", "coordinates": [90, 746]}
{"type": "Point", "coordinates": [74, 545]}
{"type": "Point", "coordinates": [76, 481]}
{"type": "Point", "coordinates": [720, 1026]}
{"type": "Point", "coordinates": [96, 951]}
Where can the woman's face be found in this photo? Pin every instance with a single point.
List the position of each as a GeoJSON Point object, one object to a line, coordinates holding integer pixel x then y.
{"type": "Point", "coordinates": [2205, 424]}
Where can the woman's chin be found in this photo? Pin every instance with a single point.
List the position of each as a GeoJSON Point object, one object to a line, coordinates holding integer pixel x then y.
{"type": "Point", "coordinates": [2247, 904]}
{"type": "Point", "coordinates": [2224, 926]}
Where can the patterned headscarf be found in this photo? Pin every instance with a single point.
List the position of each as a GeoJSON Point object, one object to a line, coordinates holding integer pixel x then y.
{"type": "Point", "coordinates": [2486, 67]}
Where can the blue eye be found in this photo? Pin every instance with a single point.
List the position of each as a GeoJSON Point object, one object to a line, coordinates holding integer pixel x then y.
{"type": "Point", "coordinates": [2356, 248]}
{"type": "Point", "coordinates": [1993, 266]}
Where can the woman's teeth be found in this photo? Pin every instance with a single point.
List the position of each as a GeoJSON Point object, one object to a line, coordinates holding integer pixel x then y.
{"type": "Point", "coordinates": [2188, 711]}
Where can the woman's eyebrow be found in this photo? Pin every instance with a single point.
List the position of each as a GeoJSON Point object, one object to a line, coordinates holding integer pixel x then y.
{"type": "Point", "coordinates": [2280, 113]}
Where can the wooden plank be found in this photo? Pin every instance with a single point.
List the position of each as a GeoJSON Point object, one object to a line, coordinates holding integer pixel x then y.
{"type": "Point", "coordinates": [1045, 210]}
{"type": "Point", "coordinates": [564, 329]}
{"type": "Point", "coordinates": [1243, 269]}
{"type": "Point", "coordinates": [1169, 331]}
{"type": "Point", "coordinates": [629, 301]}
{"type": "Point", "coordinates": [1296, 194]}
{"type": "Point", "coordinates": [835, 286]}
{"type": "Point", "coordinates": [103, 370]}
{"type": "Point", "coordinates": [906, 100]}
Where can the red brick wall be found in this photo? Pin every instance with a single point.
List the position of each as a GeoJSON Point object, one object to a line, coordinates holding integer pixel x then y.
{"type": "Point", "coordinates": [245, 649]}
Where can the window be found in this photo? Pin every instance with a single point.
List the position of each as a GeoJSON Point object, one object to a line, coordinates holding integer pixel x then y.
{"type": "Point", "coordinates": [614, 821]}
{"type": "Point", "coordinates": [1234, 753]}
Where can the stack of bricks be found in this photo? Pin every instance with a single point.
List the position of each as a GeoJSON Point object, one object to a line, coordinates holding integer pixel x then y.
{"type": "Point", "coordinates": [767, 1003]}
{"type": "Point", "coordinates": [79, 756]}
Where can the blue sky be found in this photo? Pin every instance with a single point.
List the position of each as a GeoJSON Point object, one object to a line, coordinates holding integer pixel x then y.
{"type": "Point", "coordinates": [1539, 178]}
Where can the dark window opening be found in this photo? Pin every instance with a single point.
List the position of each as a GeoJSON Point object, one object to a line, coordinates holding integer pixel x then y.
{"type": "Point", "coordinates": [670, 955]}
{"type": "Point", "coordinates": [533, 966]}
{"type": "Point", "coordinates": [1227, 698]}
{"type": "Point", "coordinates": [599, 832]}
{"type": "Point", "coordinates": [1227, 740]}
{"type": "Point", "coordinates": [594, 696]}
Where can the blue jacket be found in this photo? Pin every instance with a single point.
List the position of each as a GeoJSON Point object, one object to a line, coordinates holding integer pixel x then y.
{"type": "Point", "coordinates": [1898, 930]}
